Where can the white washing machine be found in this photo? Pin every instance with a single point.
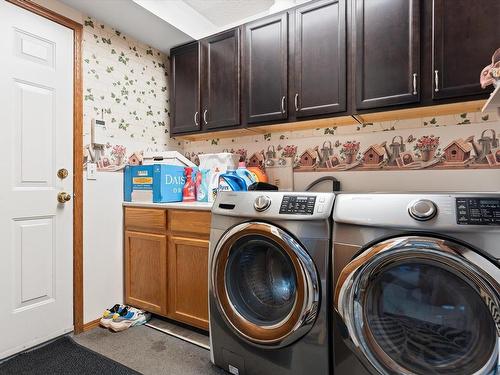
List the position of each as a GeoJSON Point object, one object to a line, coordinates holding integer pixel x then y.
{"type": "Point", "coordinates": [416, 284]}
{"type": "Point", "coordinates": [269, 282]}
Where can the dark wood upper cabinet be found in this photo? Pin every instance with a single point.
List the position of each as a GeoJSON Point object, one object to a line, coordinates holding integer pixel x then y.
{"type": "Point", "coordinates": [265, 60]}
{"type": "Point", "coordinates": [220, 80]}
{"type": "Point", "coordinates": [386, 52]}
{"type": "Point", "coordinates": [465, 34]}
{"type": "Point", "coordinates": [319, 82]}
{"type": "Point", "coordinates": [185, 89]}
{"type": "Point", "coordinates": [334, 57]}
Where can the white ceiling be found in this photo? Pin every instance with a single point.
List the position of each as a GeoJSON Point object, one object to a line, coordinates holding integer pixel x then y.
{"type": "Point", "coordinates": [225, 12]}
{"type": "Point", "coordinates": [164, 24]}
{"type": "Point", "coordinates": [201, 18]}
{"type": "Point", "coordinates": [134, 20]}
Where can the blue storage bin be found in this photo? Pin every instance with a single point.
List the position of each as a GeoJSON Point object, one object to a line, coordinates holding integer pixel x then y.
{"type": "Point", "coordinates": [157, 183]}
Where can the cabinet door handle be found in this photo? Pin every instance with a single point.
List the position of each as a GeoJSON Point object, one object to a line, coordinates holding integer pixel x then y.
{"type": "Point", "coordinates": [436, 80]}
{"type": "Point", "coordinates": [414, 83]}
{"type": "Point", "coordinates": [297, 102]}
{"type": "Point", "coordinates": [205, 116]}
{"type": "Point", "coordinates": [283, 104]}
{"type": "Point", "coordinates": [196, 114]}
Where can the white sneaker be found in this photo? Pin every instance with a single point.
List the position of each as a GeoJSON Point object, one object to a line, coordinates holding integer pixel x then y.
{"type": "Point", "coordinates": [109, 314]}
{"type": "Point", "coordinates": [134, 317]}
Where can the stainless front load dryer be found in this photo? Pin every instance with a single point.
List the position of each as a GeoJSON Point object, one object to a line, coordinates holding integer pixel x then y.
{"type": "Point", "coordinates": [269, 267]}
{"type": "Point", "coordinates": [416, 284]}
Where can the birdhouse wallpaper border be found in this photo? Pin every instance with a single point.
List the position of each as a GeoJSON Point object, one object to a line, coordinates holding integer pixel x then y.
{"type": "Point", "coordinates": [462, 141]}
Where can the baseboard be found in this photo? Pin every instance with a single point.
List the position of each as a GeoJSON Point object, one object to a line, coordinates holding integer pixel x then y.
{"type": "Point", "coordinates": [91, 325]}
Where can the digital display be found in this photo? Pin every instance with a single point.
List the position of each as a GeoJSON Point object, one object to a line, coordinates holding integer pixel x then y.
{"type": "Point", "coordinates": [297, 205]}
{"type": "Point", "coordinates": [488, 202]}
{"type": "Point", "coordinates": [477, 211]}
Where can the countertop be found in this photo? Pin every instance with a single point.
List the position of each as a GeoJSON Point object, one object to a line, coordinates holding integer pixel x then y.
{"type": "Point", "coordinates": [196, 206]}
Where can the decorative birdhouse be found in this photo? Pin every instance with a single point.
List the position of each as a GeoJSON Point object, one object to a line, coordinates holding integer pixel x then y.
{"type": "Point", "coordinates": [457, 151]}
{"type": "Point", "coordinates": [374, 155]}
{"type": "Point", "coordinates": [308, 158]}
{"type": "Point", "coordinates": [256, 160]}
{"type": "Point", "coordinates": [135, 158]}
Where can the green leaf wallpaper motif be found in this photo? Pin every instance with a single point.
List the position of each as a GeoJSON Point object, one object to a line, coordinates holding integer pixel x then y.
{"type": "Point", "coordinates": [116, 69]}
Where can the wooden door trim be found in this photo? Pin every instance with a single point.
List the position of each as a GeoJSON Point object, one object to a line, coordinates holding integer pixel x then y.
{"type": "Point", "coordinates": [77, 152]}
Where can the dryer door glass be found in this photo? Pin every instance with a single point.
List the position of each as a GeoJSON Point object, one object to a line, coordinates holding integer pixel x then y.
{"type": "Point", "coordinates": [425, 318]}
{"type": "Point", "coordinates": [261, 280]}
{"type": "Point", "coordinates": [422, 305]}
{"type": "Point", "coordinates": [266, 284]}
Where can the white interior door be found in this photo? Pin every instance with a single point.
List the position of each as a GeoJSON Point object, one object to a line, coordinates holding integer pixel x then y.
{"type": "Point", "coordinates": [36, 136]}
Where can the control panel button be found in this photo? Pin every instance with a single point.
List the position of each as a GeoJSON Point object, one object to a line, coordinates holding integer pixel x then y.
{"type": "Point", "coordinates": [262, 203]}
{"type": "Point", "coordinates": [422, 209]}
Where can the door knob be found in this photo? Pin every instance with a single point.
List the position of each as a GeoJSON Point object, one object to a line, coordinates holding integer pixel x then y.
{"type": "Point", "coordinates": [62, 173]}
{"type": "Point", "coordinates": [63, 197]}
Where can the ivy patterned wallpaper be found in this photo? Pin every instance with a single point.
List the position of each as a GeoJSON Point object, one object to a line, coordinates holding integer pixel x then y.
{"type": "Point", "coordinates": [466, 140]}
{"type": "Point", "coordinates": [125, 83]}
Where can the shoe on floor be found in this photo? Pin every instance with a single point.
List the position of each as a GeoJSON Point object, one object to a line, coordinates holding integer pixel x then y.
{"type": "Point", "coordinates": [133, 317]}
{"type": "Point", "coordinates": [109, 314]}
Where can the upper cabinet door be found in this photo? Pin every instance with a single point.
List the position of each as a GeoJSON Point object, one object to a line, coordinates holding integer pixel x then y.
{"type": "Point", "coordinates": [320, 59]}
{"type": "Point", "coordinates": [185, 89]}
{"type": "Point", "coordinates": [387, 52]}
{"type": "Point", "coordinates": [465, 35]}
{"type": "Point", "coordinates": [221, 80]}
{"type": "Point", "coordinates": [265, 64]}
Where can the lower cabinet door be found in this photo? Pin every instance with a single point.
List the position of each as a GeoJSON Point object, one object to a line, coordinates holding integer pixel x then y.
{"type": "Point", "coordinates": [146, 271]}
{"type": "Point", "coordinates": [188, 281]}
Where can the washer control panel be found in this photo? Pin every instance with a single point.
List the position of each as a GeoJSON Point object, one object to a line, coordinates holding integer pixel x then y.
{"type": "Point", "coordinates": [478, 211]}
{"type": "Point", "coordinates": [297, 205]}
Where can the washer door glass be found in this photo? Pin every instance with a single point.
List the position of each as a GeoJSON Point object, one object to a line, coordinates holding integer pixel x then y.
{"type": "Point", "coordinates": [265, 283]}
{"type": "Point", "coordinates": [421, 305]}
{"type": "Point", "coordinates": [429, 320]}
{"type": "Point", "coordinates": [261, 280]}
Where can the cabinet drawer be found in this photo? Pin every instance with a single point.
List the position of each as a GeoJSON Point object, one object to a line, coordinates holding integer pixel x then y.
{"type": "Point", "coordinates": [190, 221]}
{"type": "Point", "coordinates": [146, 220]}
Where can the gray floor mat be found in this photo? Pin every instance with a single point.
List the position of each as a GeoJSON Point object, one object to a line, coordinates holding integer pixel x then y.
{"type": "Point", "coordinates": [61, 357]}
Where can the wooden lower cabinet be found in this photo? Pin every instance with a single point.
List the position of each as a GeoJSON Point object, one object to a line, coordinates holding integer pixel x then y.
{"type": "Point", "coordinates": [166, 268]}
{"type": "Point", "coordinates": [188, 281]}
{"type": "Point", "coordinates": [146, 271]}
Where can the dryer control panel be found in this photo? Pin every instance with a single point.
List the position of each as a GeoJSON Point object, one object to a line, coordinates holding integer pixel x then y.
{"type": "Point", "coordinates": [478, 211]}
{"type": "Point", "coordinates": [297, 205]}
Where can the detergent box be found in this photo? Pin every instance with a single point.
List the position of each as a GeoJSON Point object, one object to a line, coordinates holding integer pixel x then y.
{"type": "Point", "coordinates": [157, 183]}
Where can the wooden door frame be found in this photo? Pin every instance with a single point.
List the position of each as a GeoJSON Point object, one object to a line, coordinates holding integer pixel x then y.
{"type": "Point", "coordinates": [77, 152]}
